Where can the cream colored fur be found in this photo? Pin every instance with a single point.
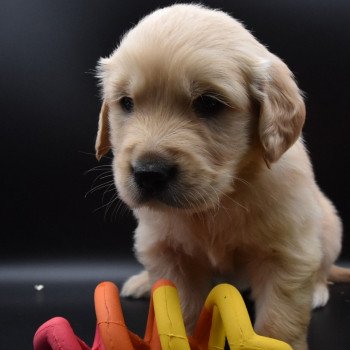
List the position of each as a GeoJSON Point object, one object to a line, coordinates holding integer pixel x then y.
{"type": "Point", "coordinates": [249, 208]}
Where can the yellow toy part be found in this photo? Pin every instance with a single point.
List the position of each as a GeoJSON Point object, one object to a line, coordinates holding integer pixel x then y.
{"type": "Point", "coordinates": [167, 310]}
{"type": "Point", "coordinates": [229, 317]}
{"type": "Point", "coordinates": [224, 316]}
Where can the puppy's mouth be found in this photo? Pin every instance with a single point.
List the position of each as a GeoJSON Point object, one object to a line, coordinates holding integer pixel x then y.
{"type": "Point", "coordinates": [159, 183]}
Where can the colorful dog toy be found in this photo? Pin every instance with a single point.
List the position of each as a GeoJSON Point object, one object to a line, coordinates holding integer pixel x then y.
{"type": "Point", "coordinates": [224, 316]}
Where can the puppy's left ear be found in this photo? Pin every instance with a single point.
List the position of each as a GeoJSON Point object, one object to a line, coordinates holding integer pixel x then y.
{"type": "Point", "coordinates": [102, 145]}
{"type": "Point", "coordinates": [282, 109]}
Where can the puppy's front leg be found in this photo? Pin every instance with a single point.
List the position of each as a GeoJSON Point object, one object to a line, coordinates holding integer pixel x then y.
{"type": "Point", "coordinates": [282, 292]}
{"type": "Point", "coordinates": [192, 279]}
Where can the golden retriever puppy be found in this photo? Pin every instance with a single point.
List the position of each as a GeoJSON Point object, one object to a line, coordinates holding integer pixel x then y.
{"type": "Point", "coordinates": [205, 127]}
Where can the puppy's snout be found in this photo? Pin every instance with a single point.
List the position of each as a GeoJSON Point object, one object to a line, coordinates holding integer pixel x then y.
{"type": "Point", "coordinates": [153, 175]}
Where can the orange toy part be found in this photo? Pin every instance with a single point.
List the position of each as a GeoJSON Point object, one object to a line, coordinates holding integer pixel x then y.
{"type": "Point", "coordinates": [111, 323]}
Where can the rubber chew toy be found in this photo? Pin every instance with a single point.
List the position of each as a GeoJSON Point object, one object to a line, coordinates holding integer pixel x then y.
{"type": "Point", "coordinates": [224, 316]}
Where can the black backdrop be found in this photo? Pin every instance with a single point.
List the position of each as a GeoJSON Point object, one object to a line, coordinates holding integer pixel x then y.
{"type": "Point", "coordinates": [50, 103]}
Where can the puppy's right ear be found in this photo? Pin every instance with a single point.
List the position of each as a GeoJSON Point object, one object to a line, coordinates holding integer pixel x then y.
{"type": "Point", "coordinates": [102, 145]}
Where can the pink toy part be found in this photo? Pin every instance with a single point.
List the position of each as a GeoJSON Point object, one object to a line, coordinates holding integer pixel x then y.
{"type": "Point", "coordinates": [57, 334]}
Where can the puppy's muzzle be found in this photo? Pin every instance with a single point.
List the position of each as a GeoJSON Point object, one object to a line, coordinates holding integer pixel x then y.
{"type": "Point", "coordinates": [153, 175]}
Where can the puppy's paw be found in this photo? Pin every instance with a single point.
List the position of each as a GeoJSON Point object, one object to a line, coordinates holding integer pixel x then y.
{"type": "Point", "coordinates": [321, 295]}
{"type": "Point", "coordinates": [137, 286]}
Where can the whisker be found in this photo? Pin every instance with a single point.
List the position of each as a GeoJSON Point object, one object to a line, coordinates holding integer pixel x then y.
{"type": "Point", "coordinates": [104, 205]}
{"type": "Point", "coordinates": [101, 177]}
{"type": "Point", "coordinates": [104, 181]}
{"type": "Point", "coordinates": [110, 188]}
{"type": "Point", "coordinates": [98, 168]}
{"type": "Point", "coordinates": [121, 208]}
{"type": "Point", "coordinates": [242, 181]}
{"type": "Point", "coordinates": [108, 207]}
{"type": "Point", "coordinates": [235, 202]}
{"type": "Point", "coordinates": [105, 176]}
{"type": "Point", "coordinates": [99, 187]}
{"type": "Point", "coordinates": [93, 154]}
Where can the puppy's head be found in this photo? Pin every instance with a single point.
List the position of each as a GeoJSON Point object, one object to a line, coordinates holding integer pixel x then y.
{"type": "Point", "coordinates": [189, 97]}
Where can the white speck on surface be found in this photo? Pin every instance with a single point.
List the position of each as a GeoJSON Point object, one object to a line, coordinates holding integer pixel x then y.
{"type": "Point", "coordinates": [38, 287]}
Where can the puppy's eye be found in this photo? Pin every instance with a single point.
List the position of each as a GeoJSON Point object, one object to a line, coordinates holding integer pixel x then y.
{"type": "Point", "coordinates": [207, 106]}
{"type": "Point", "coordinates": [127, 104]}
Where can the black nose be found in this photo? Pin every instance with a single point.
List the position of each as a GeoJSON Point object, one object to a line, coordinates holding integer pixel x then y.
{"type": "Point", "coordinates": [153, 175]}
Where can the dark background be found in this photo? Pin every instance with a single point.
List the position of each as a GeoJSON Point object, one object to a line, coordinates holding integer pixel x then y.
{"type": "Point", "coordinates": [49, 104]}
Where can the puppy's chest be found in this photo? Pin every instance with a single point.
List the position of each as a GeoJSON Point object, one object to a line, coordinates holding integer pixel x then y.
{"type": "Point", "coordinates": [218, 239]}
